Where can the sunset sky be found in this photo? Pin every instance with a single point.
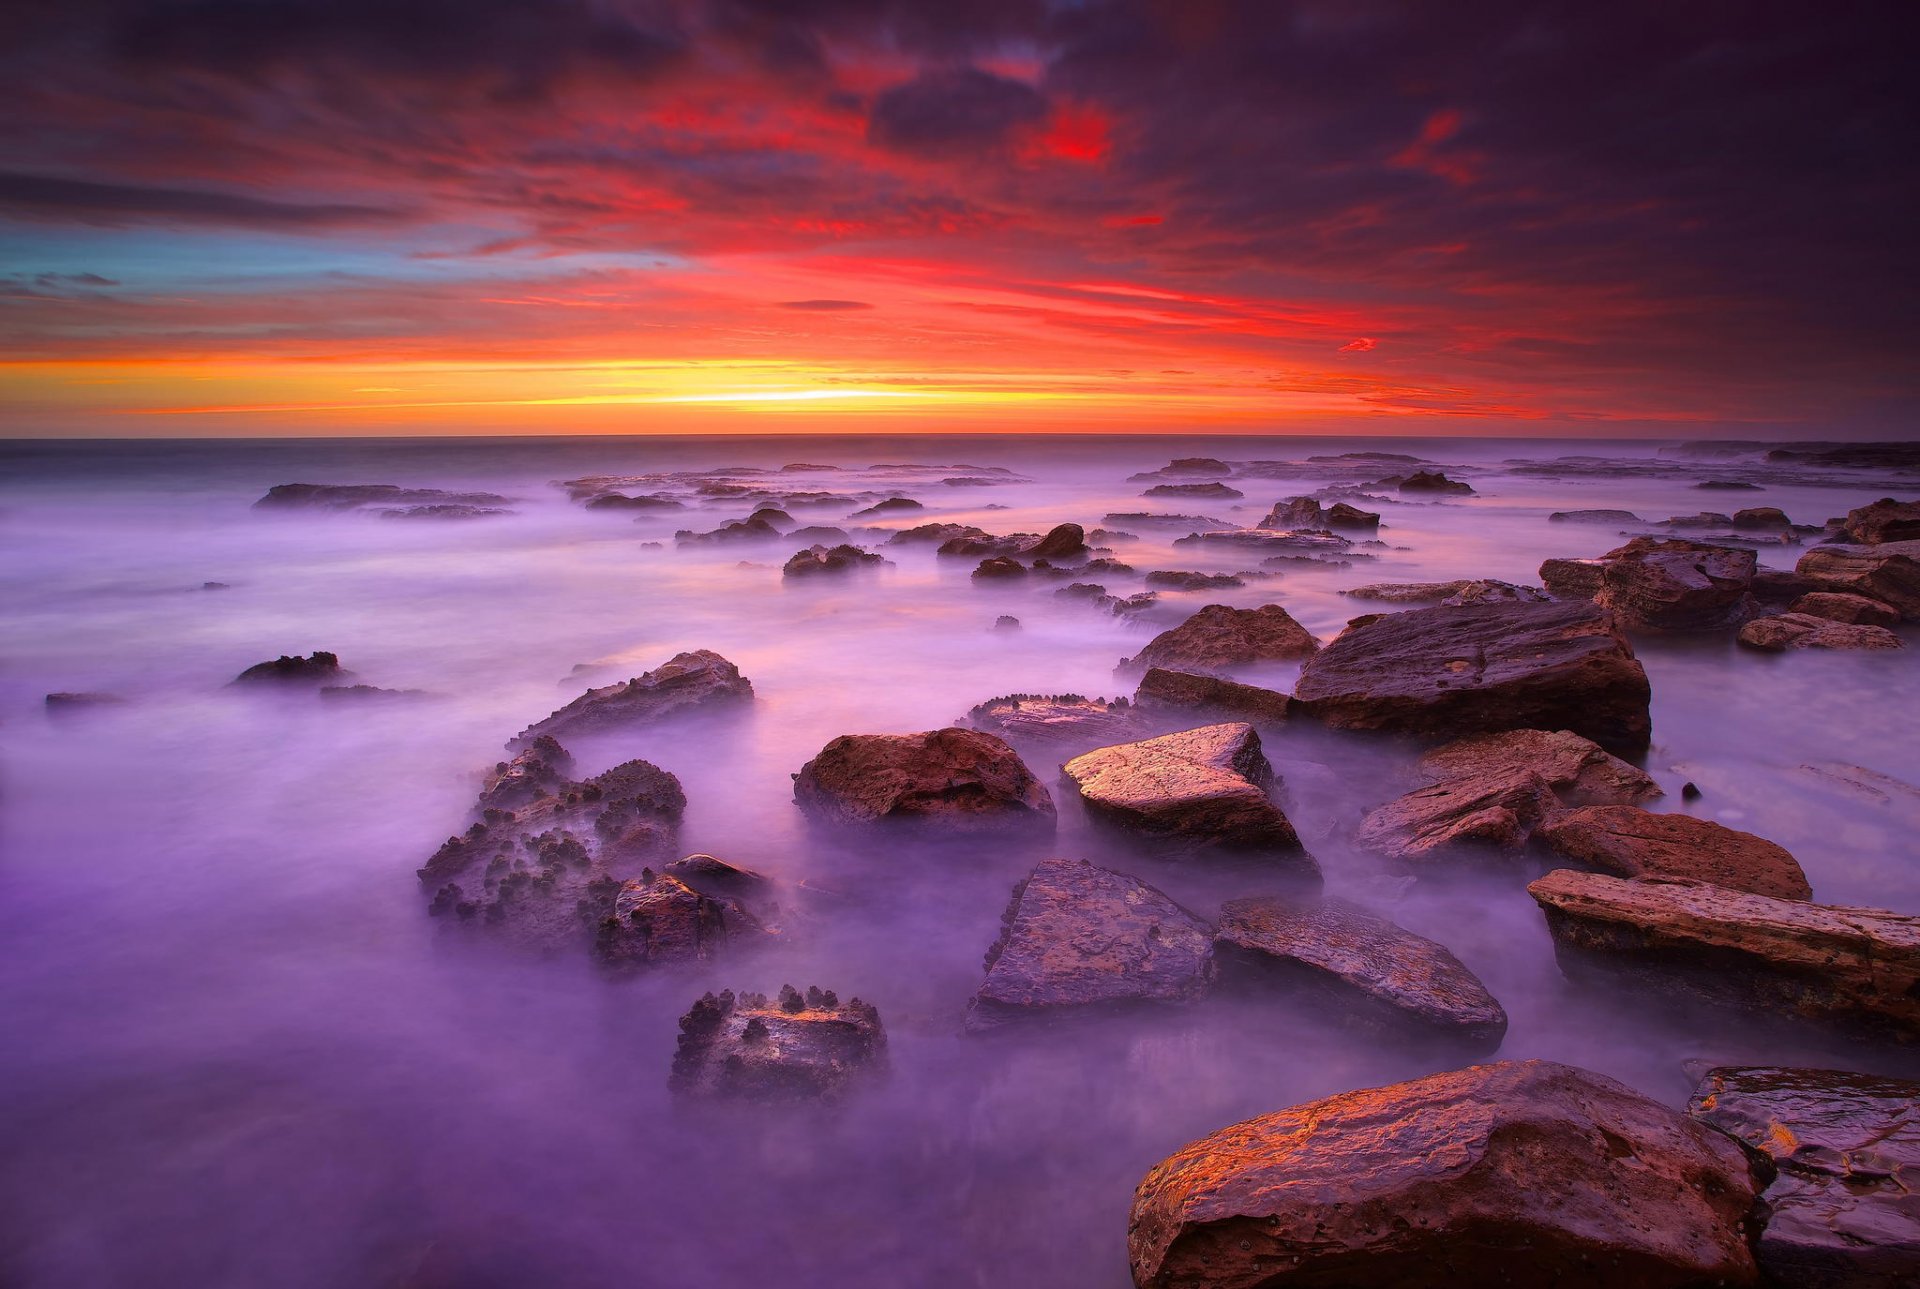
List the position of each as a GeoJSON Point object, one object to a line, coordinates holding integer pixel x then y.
{"type": "Point", "coordinates": [436, 216]}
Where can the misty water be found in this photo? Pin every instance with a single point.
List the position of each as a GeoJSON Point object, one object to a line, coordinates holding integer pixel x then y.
{"type": "Point", "coordinates": [238, 1051]}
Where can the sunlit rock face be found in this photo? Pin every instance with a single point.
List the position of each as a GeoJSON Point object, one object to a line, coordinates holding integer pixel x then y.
{"type": "Point", "coordinates": [1220, 637]}
{"type": "Point", "coordinates": [1883, 521]}
{"type": "Point", "coordinates": [686, 682]}
{"type": "Point", "coordinates": [794, 1047]}
{"type": "Point", "coordinates": [954, 777]}
{"type": "Point", "coordinates": [1526, 1173]}
{"type": "Point", "coordinates": [1844, 1209]}
{"type": "Point", "coordinates": [1626, 841]}
{"type": "Point", "coordinates": [1849, 968]}
{"type": "Point", "coordinates": [1888, 572]}
{"type": "Point", "coordinates": [1806, 631]}
{"type": "Point", "coordinates": [1163, 688]}
{"type": "Point", "coordinates": [1057, 719]}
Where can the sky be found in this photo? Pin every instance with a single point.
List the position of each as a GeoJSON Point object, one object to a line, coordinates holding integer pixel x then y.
{"type": "Point", "coordinates": [260, 217]}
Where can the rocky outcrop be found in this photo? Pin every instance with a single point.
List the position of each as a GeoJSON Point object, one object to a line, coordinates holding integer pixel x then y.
{"type": "Point", "coordinates": [1220, 636]}
{"type": "Point", "coordinates": [1515, 1173]}
{"type": "Point", "coordinates": [1057, 718]}
{"type": "Point", "coordinates": [658, 917]}
{"type": "Point", "coordinates": [1857, 969]}
{"type": "Point", "coordinates": [953, 777]}
{"type": "Point", "coordinates": [1804, 631]}
{"type": "Point", "coordinates": [890, 506]}
{"type": "Point", "coordinates": [822, 559]}
{"type": "Point", "coordinates": [1218, 491]}
{"type": "Point", "coordinates": [1471, 669]}
{"type": "Point", "coordinates": [1366, 967]}
{"type": "Point", "coordinates": [1886, 520]}
{"type": "Point", "coordinates": [1626, 841]}
{"type": "Point", "coordinates": [621, 501]}
{"type": "Point", "coordinates": [538, 770]}
{"type": "Point", "coordinates": [318, 668]}
{"type": "Point", "coordinates": [1080, 940]}
{"type": "Point", "coordinates": [1063, 542]}
{"type": "Point", "coordinates": [1594, 517]}
{"type": "Point", "coordinates": [1163, 688]}
{"type": "Point", "coordinates": [1572, 579]}
{"type": "Point", "coordinates": [1433, 481]}
{"type": "Point", "coordinates": [1201, 789]}
{"type": "Point", "coordinates": [1177, 580]}
{"type": "Point", "coordinates": [999, 569]}
{"type": "Point", "coordinates": [1471, 590]}
{"type": "Point", "coordinates": [934, 534]}
{"type": "Point", "coordinates": [1579, 771]}
{"type": "Point", "coordinates": [1668, 585]}
{"type": "Point", "coordinates": [1888, 572]}
{"type": "Point", "coordinates": [688, 682]}
{"type": "Point", "coordinates": [1836, 606]}
{"type": "Point", "coordinates": [1842, 1212]}
{"type": "Point", "coordinates": [353, 496]}
{"type": "Point", "coordinates": [795, 1047]}
{"type": "Point", "coordinates": [741, 530]}
{"type": "Point", "coordinates": [71, 703]}
{"type": "Point", "coordinates": [1307, 512]}
{"type": "Point", "coordinates": [1493, 813]}
{"type": "Point", "coordinates": [1763, 518]}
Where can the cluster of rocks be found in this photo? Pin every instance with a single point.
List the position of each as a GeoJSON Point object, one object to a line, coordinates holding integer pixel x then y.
{"type": "Point", "coordinates": [387, 500]}
{"type": "Point", "coordinates": [821, 559]}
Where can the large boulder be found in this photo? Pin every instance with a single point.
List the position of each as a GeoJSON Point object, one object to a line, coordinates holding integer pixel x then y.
{"type": "Point", "coordinates": [796, 1047]}
{"type": "Point", "coordinates": [1220, 636]}
{"type": "Point", "coordinates": [1844, 1209]}
{"type": "Point", "coordinates": [1515, 1173]}
{"type": "Point", "coordinates": [1471, 669]}
{"type": "Point", "coordinates": [687, 682]}
{"type": "Point", "coordinates": [1079, 940]}
{"type": "Point", "coordinates": [1365, 966]}
{"type": "Point", "coordinates": [1200, 789]}
{"type": "Point", "coordinates": [1886, 520]}
{"type": "Point", "coordinates": [953, 777]}
{"type": "Point", "coordinates": [1784, 631]}
{"type": "Point", "coordinates": [1064, 542]}
{"type": "Point", "coordinates": [1164, 688]}
{"type": "Point", "coordinates": [1627, 841]}
{"type": "Point", "coordinates": [1857, 969]}
{"type": "Point", "coordinates": [1671, 585]}
{"type": "Point", "coordinates": [1888, 572]}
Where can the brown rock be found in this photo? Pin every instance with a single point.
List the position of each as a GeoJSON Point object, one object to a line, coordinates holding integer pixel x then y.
{"type": "Point", "coordinates": [1057, 718]}
{"type": "Point", "coordinates": [1837, 606]}
{"type": "Point", "coordinates": [1176, 580]}
{"type": "Point", "coordinates": [1434, 481]}
{"type": "Point", "coordinates": [1515, 1173]}
{"type": "Point", "coordinates": [320, 668]}
{"type": "Point", "coordinates": [1804, 631]}
{"type": "Point", "coordinates": [1068, 541]}
{"type": "Point", "coordinates": [1473, 669]}
{"type": "Point", "coordinates": [1778, 586]}
{"type": "Point", "coordinates": [1670, 585]}
{"type": "Point", "coordinates": [1220, 636]}
{"type": "Point", "coordinates": [1489, 813]}
{"type": "Point", "coordinates": [1216, 491]}
{"type": "Point", "coordinates": [1888, 571]}
{"type": "Point", "coordinates": [955, 777]}
{"type": "Point", "coordinates": [1161, 687]}
{"type": "Point", "coordinates": [823, 559]}
{"type": "Point", "coordinates": [1384, 974]}
{"type": "Point", "coordinates": [659, 918]}
{"type": "Point", "coordinates": [1082, 940]}
{"type": "Point", "coordinates": [1761, 517]}
{"type": "Point", "coordinates": [797, 1047]}
{"type": "Point", "coordinates": [999, 568]}
{"type": "Point", "coordinates": [1844, 1211]}
{"type": "Point", "coordinates": [1886, 520]}
{"type": "Point", "coordinates": [1629, 842]}
{"type": "Point", "coordinates": [1580, 771]}
{"type": "Point", "coordinates": [698, 681]}
{"type": "Point", "coordinates": [1572, 579]}
{"type": "Point", "coordinates": [1853, 968]}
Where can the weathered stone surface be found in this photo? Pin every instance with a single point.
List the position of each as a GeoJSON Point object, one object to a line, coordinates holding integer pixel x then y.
{"type": "Point", "coordinates": [1886, 520]}
{"type": "Point", "coordinates": [1761, 517]}
{"type": "Point", "coordinates": [822, 559]}
{"type": "Point", "coordinates": [1888, 572]}
{"type": "Point", "coordinates": [1572, 579]}
{"type": "Point", "coordinates": [1200, 789]}
{"type": "Point", "coordinates": [1515, 1173]}
{"type": "Point", "coordinates": [1161, 687]}
{"type": "Point", "coordinates": [659, 918]}
{"type": "Point", "coordinates": [1845, 1207]}
{"type": "Point", "coordinates": [319, 668]}
{"type": "Point", "coordinates": [1653, 584]}
{"type": "Point", "coordinates": [1078, 939]}
{"type": "Point", "coordinates": [1486, 813]}
{"type": "Point", "coordinates": [1778, 586]}
{"type": "Point", "coordinates": [1057, 718]}
{"type": "Point", "coordinates": [1854, 968]}
{"type": "Point", "coordinates": [1627, 841]}
{"type": "Point", "coordinates": [796, 1047]}
{"type": "Point", "coordinates": [696, 681]}
{"type": "Point", "coordinates": [1307, 512]}
{"type": "Point", "coordinates": [1805, 631]}
{"type": "Point", "coordinates": [1837, 606]}
{"type": "Point", "coordinates": [1337, 951]}
{"type": "Point", "coordinates": [1434, 481]}
{"type": "Point", "coordinates": [1580, 771]}
{"type": "Point", "coordinates": [954, 777]}
{"type": "Point", "coordinates": [934, 534]}
{"type": "Point", "coordinates": [1472, 669]}
{"type": "Point", "coordinates": [1220, 636]}
{"type": "Point", "coordinates": [1408, 592]}
{"type": "Point", "coordinates": [539, 770]}
{"type": "Point", "coordinates": [1218, 491]}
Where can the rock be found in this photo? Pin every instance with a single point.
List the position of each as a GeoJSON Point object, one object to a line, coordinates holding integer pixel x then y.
{"type": "Point", "coordinates": [1487, 591]}
{"type": "Point", "coordinates": [1669, 585]}
{"type": "Point", "coordinates": [1200, 789]}
{"type": "Point", "coordinates": [1888, 572]}
{"type": "Point", "coordinates": [891, 506]}
{"type": "Point", "coordinates": [1220, 636]}
{"type": "Point", "coordinates": [1626, 841]}
{"type": "Point", "coordinates": [744, 530]}
{"type": "Point", "coordinates": [1212, 491]}
{"type": "Point", "coordinates": [1057, 718]}
{"type": "Point", "coordinates": [1306, 512]}
{"type": "Point", "coordinates": [1346, 956]}
{"type": "Point", "coordinates": [1573, 579]}
{"type": "Point", "coordinates": [1434, 481]}
{"type": "Point", "coordinates": [1690, 791]}
{"type": "Point", "coordinates": [290, 669]}
{"type": "Point", "coordinates": [620, 501]}
{"type": "Point", "coordinates": [1077, 939]}
{"type": "Point", "coordinates": [1728, 485]}
{"type": "Point", "coordinates": [71, 703]}
{"type": "Point", "coordinates": [1006, 622]}
{"type": "Point", "coordinates": [1179, 581]}
{"type": "Point", "coordinates": [1163, 688]}
{"type": "Point", "coordinates": [1579, 771]}
{"type": "Point", "coordinates": [1849, 967]}
{"type": "Point", "coordinates": [1317, 542]}
{"type": "Point", "coordinates": [773, 516]}
{"type": "Point", "coordinates": [1843, 1212]}
{"type": "Point", "coordinates": [1837, 606]}
{"type": "Point", "coordinates": [796, 1047]}
{"type": "Point", "coordinates": [720, 880]}
{"type": "Point", "coordinates": [538, 771]}
{"type": "Point", "coordinates": [1594, 517]}
{"type": "Point", "coordinates": [698, 681]}
{"type": "Point", "coordinates": [659, 917]}
{"type": "Point", "coordinates": [1407, 592]}
{"type": "Point", "coordinates": [1066, 541]}
{"type": "Point", "coordinates": [1514, 1173]}
{"type": "Point", "coordinates": [1473, 669]}
{"type": "Point", "coordinates": [1081, 591]}
{"type": "Point", "coordinates": [1886, 520]}
{"type": "Point", "coordinates": [954, 777]}
{"type": "Point", "coordinates": [821, 559]}
{"type": "Point", "coordinates": [1804, 631]}
{"type": "Point", "coordinates": [936, 533]}
{"type": "Point", "coordinates": [368, 694]}
{"type": "Point", "coordinates": [352, 496]}
{"type": "Point", "coordinates": [1763, 517]}
{"type": "Point", "coordinates": [1778, 586]}
{"type": "Point", "coordinates": [999, 568]}
{"type": "Point", "coordinates": [1193, 523]}
{"type": "Point", "coordinates": [442, 510]}
{"type": "Point", "coordinates": [1122, 607]}
{"type": "Point", "coordinates": [819, 535]}
{"type": "Point", "coordinates": [1493, 812]}
{"type": "Point", "coordinates": [1196, 465]}
{"type": "Point", "coordinates": [1106, 567]}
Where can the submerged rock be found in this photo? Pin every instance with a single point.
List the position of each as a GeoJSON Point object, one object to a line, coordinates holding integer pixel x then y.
{"type": "Point", "coordinates": [1805, 631]}
{"type": "Point", "coordinates": [1063, 542]}
{"type": "Point", "coordinates": [1761, 517]}
{"type": "Point", "coordinates": [319, 668]}
{"type": "Point", "coordinates": [934, 534]}
{"type": "Point", "coordinates": [1629, 842]}
{"type": "Point", "coordinates": [1307, 512]}
{"type": "Point", "coordinates": [1888, 571]}
{"type": "Point", "coordinates": [538, 770]}
{"type": "Point", "coordinates": [1056, 718]}
{"type": "Point", "coordinates": [1472, 669]}
{"type": "Point", "coordinates": [1436, 482]}
{"type": "Point", "coordinates": [821, 559]}
{"type": "Point", "coordinates": [743, 530]}
{"type": "Point", "coordinates": [352, 496]}
{"type": "Point", "coordinates": [1163, 688]}
{"type": "Point", "coordinates": [68, 703]}
{"type": "Point", "coordinates": [1488, 813]}
{"type": "Point", "coordinates": [1219, 491]}
{"type": "Point", "coordinates": [796, 1047]}
{"type": "Point", "coordinates": [1174, 580]}
{"type": "Point", "coordinates": [1594, 517]}
{"type": "Point", "coordinates": [1844, 1210]}
{"type": "Point", "coordinates": [1858, 969]}
{"type": "Point", "coordinates": [621, 501]}
{"type": "Point", "coordinates": [692, 911]}
{"type": "Point", "coordinates": [1342, 954]}
{"type": "Point", "coordinates": [1221, 636]}
{"type": "Point", "coordinates": [891, 506]}
{"type": "Point", "coordinates": [1077, 939]}
{"type": "Point", "coordinates": [697, 681]}
{"type": "Point", "coordinates": [998, 569]}
{"type": "Point", "coordinates": [1519, 1173]}
{"type": "Point", "coordinates": [953, 777]}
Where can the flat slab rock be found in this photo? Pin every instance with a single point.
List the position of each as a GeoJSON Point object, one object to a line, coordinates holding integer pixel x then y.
{"type": "Point", "coordinates": [1385, 974]}
{"type": "Point", "coordinates": [1626, 841]}
{"type": "Point", "coordinates": [1845, 1208]}
{"type": "Point", "coordinates": [1057, 718]}
{"type": "Point", "coordinates": [1515, 1173]}
{"type": "Point", "coordinates": [1850, 968]}
{"type": "Point", "coordinates": [1220, 636]}
{"type": "Point", "coordinates": [686, 682]}
{"type": "Point", "coordinates": [1164, 688]}
{"type": "Point", "coordinates": [795, 1047]}
{"type": "Point", "coordinates": [1580, 771]}
{"type": "Point", "coordinates": [1887, 571]}
{"type": "Point", "coordinates": [1077, 939]}
{"type": "Point", "coordinates": [1472, 669]}
{"type": "Point", "coordinates": [1805, 631]}
{"type": "Point", "coordinates": [1199, 789]}
{"type": "Point", "coordinates": [954, 777]}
